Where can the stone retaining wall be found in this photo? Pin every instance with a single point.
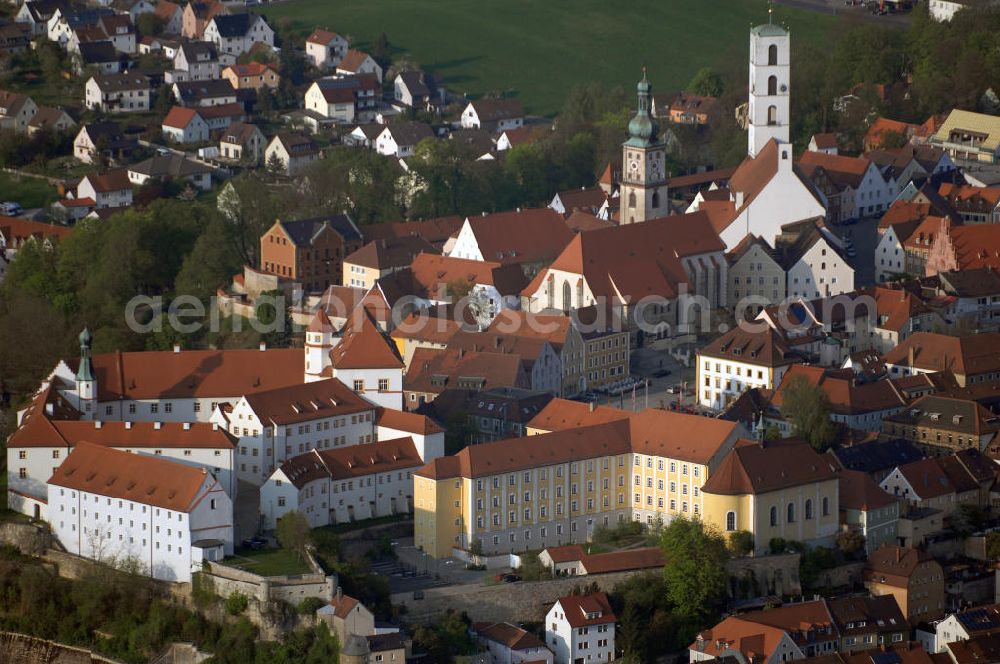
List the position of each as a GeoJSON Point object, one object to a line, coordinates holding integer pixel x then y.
{"type": "Point", "coordinates": [25, 649]}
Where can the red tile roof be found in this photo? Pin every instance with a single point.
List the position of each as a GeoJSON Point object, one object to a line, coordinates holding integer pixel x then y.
{"type": "Point", "coordinates": [969, 355]}
{"type": "Point", "coordinates": [414, 423]}
{"type": "Point", "coordinates": [114, 180]}
{"type": "Point", "coordinates": [521, 236]}
{"type": "Point", "coordinates": [179, 117]}
{"type": "Point", "coordinates": [306, 401]}
{"type": "Point", "coordinates": [509, 635]}
{"type": "Point", "coordinates": [364, 345]}
{"type": "Point", "coordinates": [858, 491]}
{"type": "Point", "coordinates": [586, 610]}
{"type": "Point", "coordinates": [352, 461]}
{"type": "Point", "coordinates": [321, 36]}
{"type": "Point", "coordinates": [139, 478]}
{"type": "Point", "coordinates": [42, 431]}
{"type": "Point", "coordinates": [756, 468]}
{"type": "Point", "coordinates": [15, 230]}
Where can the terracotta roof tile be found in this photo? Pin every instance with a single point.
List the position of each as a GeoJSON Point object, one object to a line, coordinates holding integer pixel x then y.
{"type": "Point", "coordinates": [306, 401]}
{"type": "Point", "coordinates": [756, 468]}
{"type": "Point", "coordinates": [577, 608]}
{"type": "Point", "coordinates": [352, 461]}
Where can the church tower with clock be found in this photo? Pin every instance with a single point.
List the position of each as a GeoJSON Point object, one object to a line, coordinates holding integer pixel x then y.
{"type": "Point", "coordinates": [643, 191]}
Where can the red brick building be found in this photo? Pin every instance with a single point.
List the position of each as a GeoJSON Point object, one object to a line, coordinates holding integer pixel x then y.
{"type": "Point", "coordinates": [309, 251]}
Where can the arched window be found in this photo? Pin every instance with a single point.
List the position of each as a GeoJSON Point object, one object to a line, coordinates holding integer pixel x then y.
{"type": "Point", "coordinates": [772, 115]}
{"type": "Point", "coordinates": [730, 521]}
{"type": "Point", "coordinates": [772, 85]}
{"type": "Point", "coordinates": [791, 513]}
{"type": "Point", "coordinates": [631, 199]}
{"type": "Point", "coordinates": [809, 509]}
{"type": "Point", "coordinates": [774, 516]}
{"type": "Point", "coordinates": [656, 199]}
{"type": "Point", "coordinates": [826, 506]}
{"type": "Point", "coordinates": [567, 296]}
{"type": "Point", "coordinates": [772, 54]}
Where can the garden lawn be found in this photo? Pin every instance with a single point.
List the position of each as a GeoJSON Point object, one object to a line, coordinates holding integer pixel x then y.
{"type": "Point", "coordinates": [268, 562]}
{"type": "Point", "coordinates": [539, 50]}
{"type": "Point", "coordinates": [29, 192]}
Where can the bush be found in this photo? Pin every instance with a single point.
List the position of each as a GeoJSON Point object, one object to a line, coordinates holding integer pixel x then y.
{"type": "Point", "coordinates": [741, 543]}
{"type": "Point", "coordinates": [237, 603]}
{"type": "Point", "coordinates": [202, 590]}
{"type": "Point", "coordinates": [310, 605]}
{"type": "Point", "coordinates": [777, 545]}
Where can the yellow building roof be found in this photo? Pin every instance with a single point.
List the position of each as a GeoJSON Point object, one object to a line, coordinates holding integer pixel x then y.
{"type": "Point", "coordinates": [973, 122]}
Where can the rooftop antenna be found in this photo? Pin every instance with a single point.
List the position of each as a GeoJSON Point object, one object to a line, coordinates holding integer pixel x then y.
{"type": "Point", "coordinates": [770, 11]}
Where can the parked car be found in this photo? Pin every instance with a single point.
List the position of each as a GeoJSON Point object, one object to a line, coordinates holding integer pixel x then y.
{"type": "Point", "coordinates": [254, 543]}
{"type": "Point", "coordinates": [11, 209]}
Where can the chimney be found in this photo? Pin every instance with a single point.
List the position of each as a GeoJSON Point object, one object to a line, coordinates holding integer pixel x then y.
{"type": "Point", "coordinates": [263, 346]}
{"type": "Point", "coordinates": [97, 424]}
{"type": "Point", "coordinates": [49, 409]}
{"type": "Point", "coordinates": [910, 357]}
{"type": "Point", "coordinates": [593, 406]}
{"type": "Point", "coordinates": [215, 426]}
{"type": "Point", "coordinates": [187, 426]}
{"type": "Point", "coordinates": [157, 425]}
{"type": "Point", "coordinates": [340, 593]}
{"type": "Point", "coordinates": [177, 348]}
{"type": "Point", "coordinates": [128, 425]}
{"type": "Point", "coordinates": [898, 554]}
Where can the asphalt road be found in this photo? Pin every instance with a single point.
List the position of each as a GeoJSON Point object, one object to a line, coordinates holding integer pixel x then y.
{"type": "Point", "coordinates": [840, 8]}
{"type": "Point", "coordinates": [864, 235]}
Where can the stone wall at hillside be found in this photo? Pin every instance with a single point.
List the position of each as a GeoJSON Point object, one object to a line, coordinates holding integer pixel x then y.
{"type": "Point", "coordinates": [25, 649]}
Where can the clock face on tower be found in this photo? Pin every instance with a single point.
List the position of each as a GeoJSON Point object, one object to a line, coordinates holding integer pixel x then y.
{"type": "Point", "coordinates": [633, 166]}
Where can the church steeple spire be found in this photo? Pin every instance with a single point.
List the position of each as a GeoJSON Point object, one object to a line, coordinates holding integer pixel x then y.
{"type": "Point", "coordinates": [643, 129]}
{"type": "Point", "coordinates": [86, 370]}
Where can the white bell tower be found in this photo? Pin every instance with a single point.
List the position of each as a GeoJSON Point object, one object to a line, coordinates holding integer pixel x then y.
{"type": "Point", "coordinates": [768, 112]}
{"type": "Point", "coordinates": [319, 342]}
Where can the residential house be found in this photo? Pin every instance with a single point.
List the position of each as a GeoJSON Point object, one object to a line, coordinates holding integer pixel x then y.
{"type": "Point", "coordinates": [541, 363]}
{"type": "Point", "coordinates": [118, 93]}
{"type": "Point", "coordinates": [343, 485]}
{"type": "Point", "coordinates": [173, 167]}
{"type": "Point", "coordinates": [969, 136]}
{"type": "Point", "coordinates": [572, 560]}
{"type": "Point", "coordinates": [867, 509]}
{"type": "Point", "coordinates": [14, 38]}
{"type": "Point", "coordinates": [509, 644]}
{"type": "Point", "coordinates": [974, 296]}
{"type": "Point", "coordinates": [756, 278]}
{"type": "Point", "coordinates": [416, 89]}
{"type": "Point", "coordinates": [400, 139]}
{"type": "Point", "coordinates": [184, 125]}
{"type": "Point", "coordinates": [884, 130]}
{"type": "Point", "coordinates": [853, 186]}
{"type": "Point", "coordinates": [16, 111]}
{"type": "Point", "coordinates": [933, 483]}
{"type": "Point", "coordinates": [102, 140]}
{"type": "Point", "coordinates": [172, 16]}
{"type": "Point", "coordinates": [310, 251]}
{"type": "Point", "coordinates": [972, 623]}
{"type": "Point", "coordinates": [195, 61]}
{"type": "Point", "coordinates": [791, 631]}
{"type": "Point", "coordinates": [347, 617]}
{"type": "Point", "coordinates": [971, 359]}
{"type": "Point", "coordinates": [49, 119]}
{"type": "Point", "coordinates": [590, 200]}
{"type": "Point", "coordinates": [178, 517]}
{"type": "Point", "coordinates": [692, 109]}
{"type": "Point", "coordinates": [242, 142]}
{"type": "Point", "coordinates": [495, 414]}
{"type": "Point", "coordinates": [15, 232]}
{"type": "Point", "coordinates": [780, 489]}
{"type": "Point", "coordinates": [97, 56]}
{"type": "Point", "coordinates": [356, 63]}
{"type": "Point", "coordinates": [134, 8]}
{"type": "Point", "coordinates": [964, 248]}
{"type": "Point", "coordinates": [345, 100]}
{"type": "Point", "coordinates": [943, 11]}
{"type": "Point", "coordinates": [493, 115]}
{"type": "Point", "coordinates": [581, 628]}
{"type": "Point", "coordinates": [825, 143]}
{"type": "Point", "coordinates": [974, 205]}
{"type": "Point", "coordinates": [110, 189]}
{"type": "Point", "coordinates": [204, 93]}
{"type": "Point", "coordinates": [235, 34]}
{"type": "Point", "coordinates": [944, 425]}
{"type": "Point", "coordinates": [67, 19]}
{"type": "Point", "coordinates": [740, 360]}
{"type": "Point", "coordinates": [913, 577]}
{"type": "Point", "coordinates": [524, 136]}
{"type": "Point", "coordinates": [867, 623]}
{"type": "Point", "coordinates": [36, 15]}
{"type": "Point", "coordinates": [252, 75]}
{"type": "Point", "coordinates": [325, 49]}
{"type": "Point", "coordinates": [813, 260]}
{"type": "Point", "coordinates": [876, 458]}
{"type": "Point", "coordinates": [380, 258]}
{"type": "Point", "coordinates": [432, 372]}
{"type": "Point", "coordinates": [290, 153]}
{"type": "Point", "coordinates": [220, 117]}
{"type": "Point", "coordinates": [197, 16]}
{"type": "Point", "coordinates": [364, 135]}
{"type": "Point", "coordinates": [901, 166]}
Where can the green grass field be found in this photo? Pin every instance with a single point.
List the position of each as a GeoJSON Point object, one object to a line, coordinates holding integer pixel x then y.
{"type": "Point", "coordinates": [29, 192]}
{"type": "Point", "coordinates": [268, 562]}
{"type": "Point", "coordinates": [539, 50]}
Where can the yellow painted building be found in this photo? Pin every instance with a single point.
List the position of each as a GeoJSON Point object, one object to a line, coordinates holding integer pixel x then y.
{"type": "Point", "coordinates": [590, 469]}
{"type": "Point", "coordinates": [782, 490]}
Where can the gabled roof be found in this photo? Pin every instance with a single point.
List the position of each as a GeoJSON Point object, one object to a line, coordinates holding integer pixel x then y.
{"type": "Point", "coordinates": [95, 52]}
{"type": "Point", "coordinates": [344, 463]}
{"type": "Point", "coordinates": [976, 245]}
{"type": "Point", "coordinates": [239, 133]}
{"type": "Point", "coordinates": [757, 468]}
{"type": "Point", "coordinates": [858, 491]}
{"type": "Point", "coordinates": [587, 610]}
{"type": "Point", "coordinates": [966, 355]}
{"type": "Point", "coordinates": [305, 402]}
{"type": "Point", "coordinates": [321, 36]}
{"type": "Point", "coordinates": [198, 51]}
{"type": "Point", "coordinates": [967, 121]}
{"type": "Point", "coordinates": [928, 479]}
{"type": "Point", "coordinates": [436, 231]}
{"type": "Point", "coordinates": [520, 236]}
{"type": "Point", "coordinates": [235, 25]}
{"type": "Point", "coordinates": [401, 420]}
{"type": "Point", "coordinates": [391, 253]}
{"type": "Point", "coordinates": [139, 478]}
{"type": "Point", "coordinates": [303, 232]}
{"type": "Point", "coordinates": [508, 635]}
{"type": "Point", "coordinates": [880, 611]}
{"type": "Point", "coordinates": [764, 348]}
{"type": "Point", "coordinates": [364, 345]}
{"type": "Point", "coordinates": [494, 110]}
{"type": "Point", "coordinates": [121, 82]}
{"type": "Point", "coordinates": [353, 60]}
{"type": "Point", "coordinates": [179, 117]}
{"type": "Point", "coordinates": [825, 141]}
{"type": "Point", "coordinates": [843, 171]}
{"type": "Point", "coordinates": [415, 82]}
{"type": "Point", "coordinates": [754, 173]}
{"type": "Point", "coordinates": [895, 564]}
{"type": "Point", "coordinates": [846, 395]}
{"type": "Point", "coordinates": [948, 413]}
{"type": "Point", "coordinates": [114, 180]}
{"type": "Point", "coordinates": [45, 431]}
{"type": "Point", "coordinates": [433, 371]}
{"type": "Point", "coordinates": [755, 641]}
{"type": "Point", "coordinates": [433, 273]}
{"type": "Point", "coordinates": [877, 456]}
{"type": "Point", "coordinates": [16, 230]}
{"type": "Point", "coordinates": [409, 133]}
{"type": "Point", "coordinates": [251, 68]}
